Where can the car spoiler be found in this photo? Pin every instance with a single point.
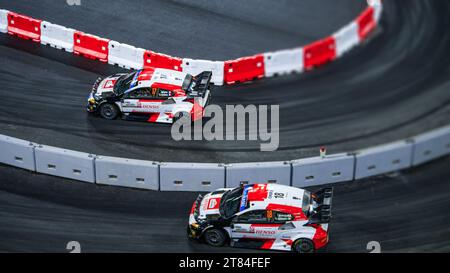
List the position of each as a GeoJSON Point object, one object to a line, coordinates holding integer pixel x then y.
{"type": "Point", "coordinates": [322, 214]}
{"type": "Point", "coordinates": [203, 84]}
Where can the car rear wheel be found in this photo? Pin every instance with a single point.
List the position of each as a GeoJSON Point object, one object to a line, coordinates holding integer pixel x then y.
{"type": "Point", "coordinates": [303, 246]}
{"type": "Point", "coordinates": [215, 237]}
{"type": "Point", "coordinates": [109, 111]}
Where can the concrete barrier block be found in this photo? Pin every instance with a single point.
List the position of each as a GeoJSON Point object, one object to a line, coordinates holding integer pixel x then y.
{"type": "Point", "coordinates": [65, 163]}
{"type": "Point", "coordinates": [127, 173]}
{"type": "Point", "coordinates": [3, 21]}
{"type": "Point", "coordinates": [191, 177]}
{"type": "Point", "coordinates": [346, 38]}
{"type": "Point", "coordinates": [432, 145]}
{"type": "Point", "coordinates": [17, 152]}
{"type": "Point", "coordinates": [383, 159]}
{"type": "Point", "coordinates": [261, 172]}
{"type": "Point", "coordinates": [195, 67]}
{"type": "Point", "coordinates": [283, 62]}
{"type": "Point", "coordinates": [378, 8]}
{"type": "Point", "coordinates": [57, 36]}
{"type": "Point", "coordinates": [125, 56]}
{"type": "Point", "coordinates": [318, 171]}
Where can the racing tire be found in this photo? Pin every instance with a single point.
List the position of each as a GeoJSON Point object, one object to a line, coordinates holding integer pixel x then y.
{"type": "Point", "coordinates": [109, 111]}
{"type": "Point", "coordinates": [180, 115]}
{"type": "Point", "coordinates": [215, 237]}
{"type": "Point", "coordinates": [303, 246]}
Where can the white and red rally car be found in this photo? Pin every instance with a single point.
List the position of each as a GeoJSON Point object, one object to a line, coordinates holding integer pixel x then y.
{"type": "Point", "coordinates": [263, 216]}
{"type": "Point", "coordinates": [152, 94]}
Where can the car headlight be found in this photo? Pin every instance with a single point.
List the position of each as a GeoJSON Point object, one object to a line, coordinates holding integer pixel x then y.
{"type": "Point", "coordinates": [91, 101]}
{"type": "Point", "coordinates": [195, 225]}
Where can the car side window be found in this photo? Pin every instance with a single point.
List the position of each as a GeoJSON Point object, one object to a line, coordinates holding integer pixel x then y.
{"type": "Point", "coordinates": [255, 216]}
{"type": "Point", "coordinates": [141, 93]}
{"type": "Point", "coordinates": [281, 217]}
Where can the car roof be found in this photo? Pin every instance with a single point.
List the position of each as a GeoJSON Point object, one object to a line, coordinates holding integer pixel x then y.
{"type": "Point", "coordinates": [272, 196]}
{"type": "Point", "coordinates": [160, 78]}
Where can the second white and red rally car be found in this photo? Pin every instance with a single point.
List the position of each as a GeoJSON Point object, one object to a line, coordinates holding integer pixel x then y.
{"type": "Point", "coordinates": [263, 216]}
{"type": "Point", "coordinates": [152, 94]}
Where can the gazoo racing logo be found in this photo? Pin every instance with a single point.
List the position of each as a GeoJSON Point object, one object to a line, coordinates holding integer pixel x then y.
{"type": "Point", "coordinates": [109, 84]}
{"type": "Point", "coordinates": [213, 203]}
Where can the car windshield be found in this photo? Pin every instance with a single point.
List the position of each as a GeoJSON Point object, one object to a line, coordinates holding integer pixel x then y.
{"type": "Point", "coordinates": [124, 83]}
{"type": "Point", "coordinates": [230, 203]}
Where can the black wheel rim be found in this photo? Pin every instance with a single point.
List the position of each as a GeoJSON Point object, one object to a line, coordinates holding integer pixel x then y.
{"type": "Point", "coordinates": [303, 247]}
{"type": "Point", "coordinates": [108, 111]}
{"type": "Point", "coordinates": [213, 237]}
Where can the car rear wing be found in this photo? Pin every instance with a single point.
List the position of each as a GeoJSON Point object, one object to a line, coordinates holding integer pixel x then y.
{"type": "Point", "coordinates": [202, 84]}
{"type": "Point", "coordinates": [322, 213]}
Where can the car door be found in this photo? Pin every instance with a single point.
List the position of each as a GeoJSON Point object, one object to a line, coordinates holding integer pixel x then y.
{"type": "Point", "coordinates": [141, 100]}
{"type": "Point", "coordinates": [254, 224]}
{"type": "Point", "coordinates": [166, 101]}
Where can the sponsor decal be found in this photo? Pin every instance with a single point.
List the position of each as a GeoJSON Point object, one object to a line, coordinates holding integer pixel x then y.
{"type": "Point", "coordinates": [109, 84]}
{"type": "Point", "coordinates": [244, 198]}
{"type": "Point", "coordinates": [135, 79]}
{"type": "Point", "coordinates": [213, 203]}
{"type": "Point", "coordinates": [262, 231]}
{"type": "Point", "coordinates": [146, 105]}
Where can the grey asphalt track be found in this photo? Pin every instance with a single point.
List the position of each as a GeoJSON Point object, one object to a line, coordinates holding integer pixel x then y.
{"type": "Point", "coordinates": [407, 212]}
{"type": "Point", "coordinates": [393, 87]}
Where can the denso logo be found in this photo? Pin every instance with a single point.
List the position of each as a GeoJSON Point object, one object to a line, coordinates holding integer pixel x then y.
{"type": "Point", "coordinates": [262, 232]}
{"type": "Point", "coordinates": [146, 106]}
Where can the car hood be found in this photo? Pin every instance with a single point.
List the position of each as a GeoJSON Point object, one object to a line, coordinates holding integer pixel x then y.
{"type": "Point", "coordinates": [107, 85]}
{"type": "Point", "coordinates": [211, 203]}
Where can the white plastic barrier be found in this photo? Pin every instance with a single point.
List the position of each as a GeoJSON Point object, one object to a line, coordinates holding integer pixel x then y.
{"type": "Point", "coordinates": [125, 56]}
{"type": "Point", "coordinates": [191, 176]}
{"type": "Point", "coordinates": [283, 62]}
{"type": "Point", "coordinates": [57, 36]}
{"type": "Point", "coordinates": [262, 172]}
{"type": "Point", "coordinates": [431, 145]}
{"type": "Point", "coordinates": [3, 20]}
{"type": "Point", "coordinates": [127, 172]}
{"type": "Point", "coordinates": [195, 67]}
{"type": "Point", "coordinates": [383, 159]}
{"type": "Point", "coordinates": [378, 8]}
{"type": "Point", "coordinates": [65, 163]}
{"type": "Point", "coordinates": [318, 171]}
{"type": "Point", "coordinates": [346, 38]}
{"type": "Point", "coordinates": [17, 152]}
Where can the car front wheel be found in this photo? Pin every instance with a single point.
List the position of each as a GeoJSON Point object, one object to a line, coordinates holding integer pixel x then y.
{"type": "Point", "coordinates": [109, 111]}
{"type": "Point", "coordinates": [215, 237]}
{"type": "Point", "coordinates": [303, 246]}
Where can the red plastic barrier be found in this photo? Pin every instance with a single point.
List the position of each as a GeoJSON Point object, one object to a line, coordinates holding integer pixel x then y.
{"type": "Point", "coordinates": [366, 23]}
{"type": "Point", "coordinates": [90, 46]}
{"type": "Point", "coordinates": [319, 53]}
{"type": "Point", "coordinates": [24, 27]}
{"type": "Point", "coordinates": [158, 60]}
{"type": "Point", "coordinates": [244, 69]}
